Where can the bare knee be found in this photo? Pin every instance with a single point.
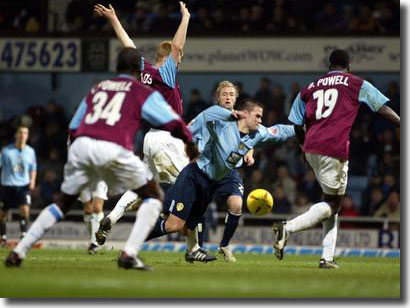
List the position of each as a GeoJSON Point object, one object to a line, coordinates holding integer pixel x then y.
{"type": "Point", "coordinates": [234, 204]}
{"type": "Point", "coordinates": [98, 205]}
{"type": "Point", "coordinates": [174, 224]}
{"type": "Point", "coordinates": [88, 207]}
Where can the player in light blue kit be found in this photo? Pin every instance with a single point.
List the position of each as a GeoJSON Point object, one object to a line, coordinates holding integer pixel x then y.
{"type": "Point", "coordinates": [18, 177]}
{"type": "Point", "coordinates": [223, 142]}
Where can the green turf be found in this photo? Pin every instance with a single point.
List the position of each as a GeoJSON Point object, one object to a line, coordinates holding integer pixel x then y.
{"type": "Point", "coordinates": [73, 273]}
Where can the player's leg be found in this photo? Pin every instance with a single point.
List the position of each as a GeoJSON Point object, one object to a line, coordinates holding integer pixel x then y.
{"type": "Point", "coordinates": [24, 219]}
{"type": "Point", "coordinates": [3, 228]}
{"type": "Point", "coordinates": [329, 243]}
{"type": "Point", "coordinates": [47, 218]}
{"type": "Point", "coordinates": [99, 195]}
{"type": "Point", "coordinates": [97, 214]}
{"type": "Point", "coordinates": [146, 216]}
{"type": "Point", "coordinates": [231, 189]}
{"type": "Point", "coordinates": [331, 174]}
{"type": "Point", "coordinates": [8, 197]}
{"type": "Point", "coordinates": [75, 179]}
{"type": "Point", "coordinates": [86, 199]}
{"type": "Point", "coordinates": [24, 202]}
{"type": "Point", "coordinates": [130, 173]}
{"type": "Point", "coordinates": [129, 201]}
{"type": "Point", "coordinates": [234, 204]}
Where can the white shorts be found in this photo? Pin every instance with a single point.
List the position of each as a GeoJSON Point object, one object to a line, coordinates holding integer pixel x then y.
{"type": "Point", "coordinates": [100, 192]}
{"type": "Point", "coordinates": [164, 155]}
{"type": "Point", "coordinates": [91, 160]}
{"type": "Point", "coordinates": [331, 173]}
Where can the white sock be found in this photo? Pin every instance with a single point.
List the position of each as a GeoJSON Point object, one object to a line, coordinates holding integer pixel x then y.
{"type": "Point", "coordinates": [316, 214]}
{"type": "Point", "coordinates": [47, 218]}
{"type": "Point", "coordinates": [94, 224]}
{"type": "Point", "coordinates": [87, 220]}
{"type": "Point", "coordinates": [147, 216]}
{"type": "Point", "coordinates": [119, 208]}
{"type": "Point", "coordinates": [330, 237]}
{"type": "Point", "coordinates": [191, 240]}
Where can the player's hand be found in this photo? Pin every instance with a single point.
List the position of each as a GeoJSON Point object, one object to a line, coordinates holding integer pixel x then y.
{"type": "Point", "coordinates": [102, 11]}
{"type": "Point", "coordinates": [238, 114]}
{"type": "Point", "coordinates": [248, 158]}
{"type": "Point", "coordinates": [191, 150]}
{"type": "Point", "coordinates": [184, 10]}
{"type": "Point", "coordinates": [32, 186]}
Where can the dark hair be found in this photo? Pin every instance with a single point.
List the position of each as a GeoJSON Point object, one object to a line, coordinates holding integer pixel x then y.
{"type": "Point", "coordinates": [339, 58]}
{"type": "Point", "coordinates": [249, 104]}
{"type": "Point", "coordinates": [21, 126]}
{"type": "Point", "coordinates": [129, 61]}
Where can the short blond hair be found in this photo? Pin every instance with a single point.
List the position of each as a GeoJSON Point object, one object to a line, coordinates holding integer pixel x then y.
{"type": "Point", "coordinates": [163, 50]}
{"type": "Point", "coordinates": [224, 84]}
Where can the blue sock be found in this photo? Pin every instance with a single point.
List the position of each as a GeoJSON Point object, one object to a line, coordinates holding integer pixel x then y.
{"type": "Point", "coordinates": [231, 223]}
{"type": "Point", "coordinates": [158, 230]}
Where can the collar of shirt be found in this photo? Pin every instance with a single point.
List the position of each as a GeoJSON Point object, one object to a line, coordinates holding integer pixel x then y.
{"type": "Point", "coordinates": [127, 76]}
{"type": "Point", "coordinates": [336, 71]}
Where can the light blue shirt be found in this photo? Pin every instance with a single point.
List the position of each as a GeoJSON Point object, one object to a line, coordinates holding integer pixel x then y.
{"type": "Point", "coordinates": [16, 165]}
{"type": "Point", "coordinates": [168, 71]}
{"type": "Point", "coordinates": [368, 94]}
{"type": "Point", "coordinates": [156, 111]}
{"type": "Point", "coordinates": [78, 116]}
{"type": "Point", "coordinates": [221, 146]}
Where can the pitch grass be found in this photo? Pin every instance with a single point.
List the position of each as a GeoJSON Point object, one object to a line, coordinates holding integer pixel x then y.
{"type": "Point", "coordinates": [74, 273]}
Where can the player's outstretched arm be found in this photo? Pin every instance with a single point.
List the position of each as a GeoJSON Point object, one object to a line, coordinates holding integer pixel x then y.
{"type": "Point", "coordinates": [178, 42]}
{"type": "Point", "coordinates": [275, 133]}
{"type": "Point", "coordinates": [109, 14]}
{"type": "Point", "coordinates": [389, 114]}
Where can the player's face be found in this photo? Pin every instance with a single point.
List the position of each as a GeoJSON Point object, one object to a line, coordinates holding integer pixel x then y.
{"type": "Point", "coordinates": [254, 118]}
{"type": "Point", "coordinates": [22, 135]}
{"type": "Point", "coordinates": [227, 97]}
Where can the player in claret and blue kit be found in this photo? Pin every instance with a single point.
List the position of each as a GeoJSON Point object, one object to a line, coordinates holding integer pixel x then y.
{"type": "Point", "coordinates": [327, 108]}
{"type": "Point", "coordinates": [112, 113]}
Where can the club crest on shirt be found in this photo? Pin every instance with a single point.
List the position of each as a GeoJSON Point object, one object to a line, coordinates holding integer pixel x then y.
{"type": "Point", "coordinates": [273, 131]}
{"type": "Point", "coordinates": [241, 146]}
{"type": "Point", "coordinates": [180, 206]}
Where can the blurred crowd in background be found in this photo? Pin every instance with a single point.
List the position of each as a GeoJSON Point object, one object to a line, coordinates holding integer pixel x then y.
{"type": "Point", "coordinates": [156, 17]}
{"type": "Point", "coordinates": [374, 167]}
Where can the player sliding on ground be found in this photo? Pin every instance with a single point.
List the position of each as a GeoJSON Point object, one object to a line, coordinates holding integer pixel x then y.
{"type": "Point", "coordinates": [326, 109]}
{"type": "Point", "coordinates": [103, 150]}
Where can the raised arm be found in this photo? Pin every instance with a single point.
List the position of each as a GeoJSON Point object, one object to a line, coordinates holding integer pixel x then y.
{"type": "Point", "coordinates": [178, 41]}
{"type": "Point", "coordinates": [109, 14]}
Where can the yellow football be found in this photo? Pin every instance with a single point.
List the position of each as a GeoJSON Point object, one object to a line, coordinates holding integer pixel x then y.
{"type": "Point", "coordinates": [259, 202]}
